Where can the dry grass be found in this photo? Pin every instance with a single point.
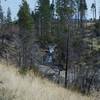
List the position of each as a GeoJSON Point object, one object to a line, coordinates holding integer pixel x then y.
{"type": "Point", "coordinates": [13, 86]}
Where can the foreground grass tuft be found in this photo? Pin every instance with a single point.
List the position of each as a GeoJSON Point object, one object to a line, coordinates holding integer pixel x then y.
{"type": "Point", "coordinates": [14, 86]}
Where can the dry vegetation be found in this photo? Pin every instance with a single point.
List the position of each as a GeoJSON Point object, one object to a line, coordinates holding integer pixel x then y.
{"type": "Point", "coordinates": [14, 86]}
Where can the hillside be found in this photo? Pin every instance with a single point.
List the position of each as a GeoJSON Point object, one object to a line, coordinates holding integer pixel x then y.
{"type": "Point", "coordinates": [14, 86]}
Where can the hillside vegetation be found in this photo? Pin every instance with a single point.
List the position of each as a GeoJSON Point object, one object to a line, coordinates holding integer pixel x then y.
{"type": "Point", "coordinates": [14, 86]}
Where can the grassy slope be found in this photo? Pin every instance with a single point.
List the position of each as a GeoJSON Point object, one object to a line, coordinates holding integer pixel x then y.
{"type": "Point", "coordinates": [16, 87]}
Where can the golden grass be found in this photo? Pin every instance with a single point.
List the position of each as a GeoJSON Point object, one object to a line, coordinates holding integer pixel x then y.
{"type": "Point", "coordinates": [13, 86]}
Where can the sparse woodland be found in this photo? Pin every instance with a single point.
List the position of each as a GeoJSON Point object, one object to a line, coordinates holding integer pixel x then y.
{"type": "Point", "coordinates": [60, 23]}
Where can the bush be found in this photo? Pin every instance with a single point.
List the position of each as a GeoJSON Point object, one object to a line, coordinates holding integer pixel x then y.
{"type": "Point", "coordinates": [97, 28]}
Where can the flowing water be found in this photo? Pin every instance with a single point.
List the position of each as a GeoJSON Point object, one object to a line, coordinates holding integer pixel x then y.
{"type": "Point", "coordinates": [49, 56]}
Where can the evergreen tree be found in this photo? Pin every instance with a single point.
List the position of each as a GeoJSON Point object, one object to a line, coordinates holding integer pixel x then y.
{"type": "Point", "coordinates": [9, 15]}
{"type": "Point", "coordinates": [93, 8]}
{"type": "Point", "coordinates": [82, 9]}
{"type": "Point", "coordinates": [37, 22]}
{"type": "Point", "coordinates": [25, 20]}
{"type": "Point", "coordinates": [65, 10]}
{"type": "Point", "coordinates": [26, 36]}
{"type": "Point", "coordinates": [52, 10]}
{"type": "Point", "coordinates": [1, 13]}
{"type": "Point", "coordinates": [44, 19]}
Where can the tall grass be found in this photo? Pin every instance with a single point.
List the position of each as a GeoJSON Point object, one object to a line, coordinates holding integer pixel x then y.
{"type": "Point", "coordinates": [14, 86]}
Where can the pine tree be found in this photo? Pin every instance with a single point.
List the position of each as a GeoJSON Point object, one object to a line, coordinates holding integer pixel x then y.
{"type": "Point", "coordinates": [26, 36]}
{"type": "Point", "coordinates": [44, 19]}
{"type": "Point", "coordinates": [82, 9]}
{"type": "Point", "coordinates": [37, 22]}
{"type": "Point", "coordinates": [1, 13]}
{"type": "Point", "coordinates": [9, 16]}
{"type": "Point", "coordinates": [52, 10]}
{"type": "Point", "coordinates": [25, 20]}
{"type": "Point", "coordinates": [1, 22]}
{"type": "Point", "coordinates": [93, 8]}
{"type": "Point", "coordinates": [65, 10]}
